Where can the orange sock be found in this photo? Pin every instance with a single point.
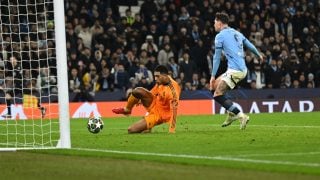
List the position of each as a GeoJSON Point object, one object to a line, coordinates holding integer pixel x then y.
{"type": "Point", "coordinates": [131, 102]}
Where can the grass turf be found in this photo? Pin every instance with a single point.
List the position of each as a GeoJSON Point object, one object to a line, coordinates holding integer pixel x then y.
{"type": "Point", "coordinates": [278, 146]}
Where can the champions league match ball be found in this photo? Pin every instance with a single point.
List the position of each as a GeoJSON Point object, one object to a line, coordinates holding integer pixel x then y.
{"type": "Point", "coordinates": [95, 125]}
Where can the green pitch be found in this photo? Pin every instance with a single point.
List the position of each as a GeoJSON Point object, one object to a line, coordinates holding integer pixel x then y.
{"type": "Point", "coordinates": [274, 146]}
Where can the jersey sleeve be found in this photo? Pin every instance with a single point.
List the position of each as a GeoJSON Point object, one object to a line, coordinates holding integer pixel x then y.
{"type": "Point", "coordinates": [250, 46]}
{"type": "Point", "coordinates": [174, 102]}
{"type": "Point", "coordinates": [218, 42]}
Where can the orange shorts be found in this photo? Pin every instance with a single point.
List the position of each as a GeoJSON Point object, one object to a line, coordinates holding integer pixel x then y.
{"type": "Point", "coordinates": [155, 117]}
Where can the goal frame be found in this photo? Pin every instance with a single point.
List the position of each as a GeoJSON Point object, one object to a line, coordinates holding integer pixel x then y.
{"type": "Point", "coordinates": [62, 73]}
{"type": "Point", "coordinates": [64, 141]}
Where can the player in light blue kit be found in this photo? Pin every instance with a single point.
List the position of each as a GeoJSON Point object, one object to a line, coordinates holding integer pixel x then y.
{"type": "Point", "coordinates": [230, 42]}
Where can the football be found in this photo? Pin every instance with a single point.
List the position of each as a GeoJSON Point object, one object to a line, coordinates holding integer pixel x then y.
{"type": "Point", "coordinates": [95, 125]}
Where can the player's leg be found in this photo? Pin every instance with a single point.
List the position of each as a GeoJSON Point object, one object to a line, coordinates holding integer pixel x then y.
{"type": "Point", "coordinates": [228, 81]}
{"type": "Point", "coordinates": [137, 95]}
{"type": "Point", "coordinates": [42, 109]}
{"type": "Point", "coordinates": [151, 119]}
{"type": "Point", "coordinates": [8, 98]}
{"type": "Point", "coordinates": [138, 127]}
{"type": "Point", "coordinates": [215, 85]}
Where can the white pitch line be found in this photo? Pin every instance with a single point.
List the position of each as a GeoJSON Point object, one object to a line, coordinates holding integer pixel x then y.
{"type": "Point", "coordinates": [202, 157]}
{"type": "Point", "coordinates": [277, 154]}
{"type": "Point", "coordinates": [253, 125]}
{"type": "Point", "coordinates": [276, 126]}
{"type": "Point", "coordinates": [284, 126]}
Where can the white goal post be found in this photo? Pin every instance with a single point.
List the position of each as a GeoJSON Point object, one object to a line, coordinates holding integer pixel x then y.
{"type": "Point", "coordinates": [34, 98]}
{"type": "Point", "coordinates": [63, 95]}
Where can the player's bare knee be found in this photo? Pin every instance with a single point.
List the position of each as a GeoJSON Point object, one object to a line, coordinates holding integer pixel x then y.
{"type": "Point", "coordinates": [131, 130]}
{"type": "Point", "coordinates": [217, 93]}
{"type": "Point", "coordinates": [138, 92]}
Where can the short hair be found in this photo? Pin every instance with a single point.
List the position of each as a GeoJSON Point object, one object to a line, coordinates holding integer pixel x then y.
{"type": "Point", "coordinates": [162, 69]}
{"type": "Point", "coordinates": [223, 17]}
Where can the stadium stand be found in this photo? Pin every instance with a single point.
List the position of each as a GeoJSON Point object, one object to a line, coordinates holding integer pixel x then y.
{"type": "Point", "coordinates": [118, 37]}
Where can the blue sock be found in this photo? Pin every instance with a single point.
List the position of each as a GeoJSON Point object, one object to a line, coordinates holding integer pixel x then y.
{"type": "Point", "coordinates": [227, 104]}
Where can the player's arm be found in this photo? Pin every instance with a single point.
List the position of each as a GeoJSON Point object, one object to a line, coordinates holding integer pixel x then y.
{"type": "Point", "coordinates": [216, 61]}
{"type": "Point", "coordinates": [252, 48]}
{"type": "Point", "coordinates": [173, 118]}
{"type": "Point", "coordinates": [218, 44]}
{"type": "Point", "coordinates": [215, 65]}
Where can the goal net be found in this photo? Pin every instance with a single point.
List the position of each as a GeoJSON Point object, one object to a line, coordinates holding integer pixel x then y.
{"type": "Point", "coordinates": [32, 67]}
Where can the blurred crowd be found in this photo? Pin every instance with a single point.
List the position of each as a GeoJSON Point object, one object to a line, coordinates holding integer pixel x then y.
{"type": "Point", "coordinates": [113, 51]}
{"type": "Point", "coordinates": [116, 49]}
{"type": "Point", "coordinates": [27, 55]}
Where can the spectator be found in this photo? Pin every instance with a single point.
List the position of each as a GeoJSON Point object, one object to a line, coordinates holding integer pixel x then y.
{"type": "Point", "coordinates": [199, 54]}
{"type": "Point", "coordinates": [148, 8]}
{"type": "Point", "coordinates": [129, 18]}
{"type": "Point", "coordinates": [195, 80]}
{"type": "Point", "coordinates": [85, 34]}
{"type": "Point", "coordinates": [46, 81]}
{"type": "Point", "coordinates": [174, 67]}
{"type": "Point", "coordinates": [106, 80]}
{"type": "Point", "coordinates": [286, 83]}
{"type": "Point", "coordinates": [143, 72]}
{"type": "Point", "coordinates": [195, 34]}
{"type": "Point", "coordinates": [204, 85]}
{"type": "Point", "coordinates": [97, 60]}
{"type": "Point", "coordinates": [188, 67]}
{"type": "Point", "coordinates": [75, 82]}
{"type": "Point", "coordinates": [296, 84]}
{"type": "Point", "coordinates": [132, 63]}
{"type": "Point", "coordinates": [97, 29]}
{"type": "Point", "coordinates": [143, 58]}
{"type": "Point", "coordinates": [137, 23]}
{"type": "Point", "coordinates": [150, 46]}
{"type": "Point", "coordinates": [257, 76]}
{"type": "Point", "coordinates": [73, 60]}
{"type": "Point", "coordinates": [302, 81]}
{"type": "Point", "coordinates": [121, 78]}
{"type": "Point", "coordinates": [273, 75]}
{"type": "Point", "coordinates": [310, 80]}
{"type": "Point", "coordinates": [165, 54]}
{"type": "Point", "coordinates": [152, 63]}
{"type": "Point", "coordinates": [90, 80]}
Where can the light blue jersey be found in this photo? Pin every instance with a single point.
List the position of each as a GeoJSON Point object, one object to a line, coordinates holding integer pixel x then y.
{"type": "Point", "coordinates": [231, 42]}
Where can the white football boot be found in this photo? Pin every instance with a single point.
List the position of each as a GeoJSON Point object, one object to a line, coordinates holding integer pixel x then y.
{"type": "Point", "coordinates": [229, 120]}
{"type": "Point", "coordinates": [244, 119]}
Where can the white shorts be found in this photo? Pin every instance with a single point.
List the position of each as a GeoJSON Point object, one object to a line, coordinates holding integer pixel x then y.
{"type": "Point", "coordinates": [233, 77]}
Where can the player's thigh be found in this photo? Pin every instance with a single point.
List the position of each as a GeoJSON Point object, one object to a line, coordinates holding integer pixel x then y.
{"type": "Point", "coordinates": [220, 85]}
{"type": "Point", "coordinates": [144, 95]}
{"type": "Point", "coordinates": [153, 118]}
{"type": "Point", "coordinates": [229, 80]}
{"type": "Point", "coordinates": [216, 82]}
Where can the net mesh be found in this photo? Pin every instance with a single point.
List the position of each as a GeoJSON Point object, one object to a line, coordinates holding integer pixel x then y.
{"type": "Point", "coordinates": [28, 75]}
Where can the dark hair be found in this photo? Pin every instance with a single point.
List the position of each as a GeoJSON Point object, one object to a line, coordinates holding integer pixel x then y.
{"type": "Point", "coordinates": [223, 17]}
{"type": "Point", "coordinates": [162, 69]}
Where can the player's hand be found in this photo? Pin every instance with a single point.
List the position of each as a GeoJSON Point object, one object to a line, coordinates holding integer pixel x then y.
{"type": "Point", "coordinates": [172, 131]}
{"type": "Point", "coordinates": [261, 58]}
{"type": "Point", "coordinates": [212, 83]}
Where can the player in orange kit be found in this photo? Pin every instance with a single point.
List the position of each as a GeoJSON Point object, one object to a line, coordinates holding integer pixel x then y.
{"type": "Point", "coordinates": [161, 103]}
